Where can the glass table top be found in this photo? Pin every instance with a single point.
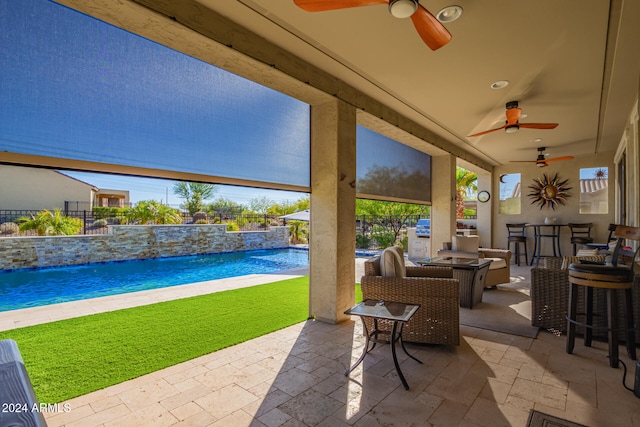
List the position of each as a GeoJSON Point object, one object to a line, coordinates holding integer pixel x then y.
{"type": "Point", "coordinates": [384, 310]}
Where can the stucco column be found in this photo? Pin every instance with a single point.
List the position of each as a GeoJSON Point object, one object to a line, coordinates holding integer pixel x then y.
{"type": "Point", "coordinates": [333, 223]}
{"type": "Point", "coordinates": [443, 199]}
{"type": "Point", "coordinates": [484, 211]}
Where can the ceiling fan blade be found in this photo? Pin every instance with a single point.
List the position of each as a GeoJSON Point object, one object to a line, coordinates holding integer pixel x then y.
{"type": "Point", "coordinates": [431, 31]}
{"type": "Point", "coordinates": [487, 131]}
{"type": "Point", "coordinates": [324, 5]}
{"type": "Point", "coordinates": [557, 159]}
{"type": "Point", "coordinates": [513, 115]}
{"type": "Point", "coordinates": [539, 125]}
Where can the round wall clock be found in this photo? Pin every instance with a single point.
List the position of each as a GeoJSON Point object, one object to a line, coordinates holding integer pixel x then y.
{"type": "Point", "coordinates": [484, 196]}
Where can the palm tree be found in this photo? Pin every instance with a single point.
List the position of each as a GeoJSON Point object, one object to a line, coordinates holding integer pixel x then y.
{"type": "Point", "coordinates": [150, 211]}
{"type": "Point", "coordinates": [47, 223]}
{"type": "Point", "coordinates": [465, 181]}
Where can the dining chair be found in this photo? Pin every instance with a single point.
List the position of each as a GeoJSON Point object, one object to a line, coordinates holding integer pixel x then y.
{"type": "Point", "coordinates": [580, 234]}
{"type": "Point", "coordinates": [517, 236]}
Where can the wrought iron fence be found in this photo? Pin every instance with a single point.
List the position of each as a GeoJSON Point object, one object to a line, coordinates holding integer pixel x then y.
{"type": "Point", "coordinates": [97, 222]}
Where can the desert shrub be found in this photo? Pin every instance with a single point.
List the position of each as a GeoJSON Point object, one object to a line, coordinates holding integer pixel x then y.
{"type": "Point", "coordinates": [363, 241]}
{"type": "Point", "coordinates": [242, 220]}
{"type": "Point", "coordinates": [198, 217]}
{"type": "Point", "coordinates": [383, 236]}
{"type": "Point", "coordinates": [9, 229]}
{"type": "Point", "coordinates": [100, 223]}
{"type": "Point", "coordinates": [100, 212]}
{"type": "Point", "coordinates": [404, 242]}
{"type": "Point", "coordinates": [232, 226]}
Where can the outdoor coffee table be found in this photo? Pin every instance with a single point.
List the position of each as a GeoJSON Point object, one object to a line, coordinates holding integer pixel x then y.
{"type": "Point", "coordinates": [470, 272]}
{"type": "Point", "coordinates": [398, 314]}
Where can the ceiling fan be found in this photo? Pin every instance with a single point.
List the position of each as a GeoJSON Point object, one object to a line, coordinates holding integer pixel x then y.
{"type": "Point", "coordinates": [541, 161]}
{"type": "Point", "coordinates": [432, 32]}
{"type": "Point", "coordinates": [512, 124]}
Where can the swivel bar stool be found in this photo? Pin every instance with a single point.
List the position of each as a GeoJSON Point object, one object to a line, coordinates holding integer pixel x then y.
{"type": "Point", "coordinates": [612, 277]}
{"type": "Point", "coordinates": [580, 235]}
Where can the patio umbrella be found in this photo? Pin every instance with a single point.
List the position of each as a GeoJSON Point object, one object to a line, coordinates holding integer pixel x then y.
{"type": "Point", "coordinates": [297, 216]}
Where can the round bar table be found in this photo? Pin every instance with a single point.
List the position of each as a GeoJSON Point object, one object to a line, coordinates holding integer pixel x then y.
{"type": "Point", "coordinates": [548, 231]}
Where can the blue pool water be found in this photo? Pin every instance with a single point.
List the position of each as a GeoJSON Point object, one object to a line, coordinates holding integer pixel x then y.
{"type": "Point", "coordinates": [32, 288]}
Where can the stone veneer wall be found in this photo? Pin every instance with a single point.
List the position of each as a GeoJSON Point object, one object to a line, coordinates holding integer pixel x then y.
{"type": "Point", "coordinates": [130, 242]}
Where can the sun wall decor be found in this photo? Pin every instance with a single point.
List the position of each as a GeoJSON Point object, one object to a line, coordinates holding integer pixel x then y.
{"type": "Point", "coordinates": [549, 192]}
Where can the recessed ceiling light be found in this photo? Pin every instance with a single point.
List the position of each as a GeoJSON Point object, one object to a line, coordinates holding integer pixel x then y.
{"type": "Point", "coordinates": [500, 84]}
{"type": "Point", "coordinates": [449, 14]}
{"type": "Point", "coordinates": [536, 140]}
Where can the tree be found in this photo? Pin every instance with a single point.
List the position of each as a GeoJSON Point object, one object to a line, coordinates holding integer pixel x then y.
{"type": "Point", "coordinates": [194, 194]}
{"type": "Point", "coordinates": [47, 223]}
{"type": "Point", "coordinates": [222, 206]}
{"type": "Point", "coordinates": [299, 232]}
{"type": "Point", "coordinates": [390, 215]}
{"type": "Point", "coordinates": [465, 181]}
{"type": "Point", "coordinates": [287, 207]}
{"type": "Point", "coordinates": [260, 205]}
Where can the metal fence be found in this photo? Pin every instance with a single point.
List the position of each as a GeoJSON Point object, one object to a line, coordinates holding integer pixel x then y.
{"type": "Point", "coordinates": [98, 222]}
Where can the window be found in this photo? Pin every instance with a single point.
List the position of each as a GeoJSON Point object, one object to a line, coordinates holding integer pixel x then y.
{"type": "Point", "coordinates": [510, 190]}
{"type": "Point", "coordinates": [594, 188]}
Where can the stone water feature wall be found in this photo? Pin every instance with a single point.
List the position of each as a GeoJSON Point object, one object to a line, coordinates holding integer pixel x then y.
{"type": "Point", "coordinates": [131, 242]}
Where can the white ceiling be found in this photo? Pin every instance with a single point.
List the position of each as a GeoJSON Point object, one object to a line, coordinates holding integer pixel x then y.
{"type": "Point", "coordinates": [572, 62]}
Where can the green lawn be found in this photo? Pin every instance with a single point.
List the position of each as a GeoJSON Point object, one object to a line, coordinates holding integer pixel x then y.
{"type": "Point", "coordinates": [72, 357]}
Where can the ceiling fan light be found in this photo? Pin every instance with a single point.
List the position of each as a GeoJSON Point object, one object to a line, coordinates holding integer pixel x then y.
{"type": "Point", "coordinates": [403, 8]}
{"type": "Point", "coordinates": [541, 164]}
{"type": "Point", "coordinates": [512, 129]}
{"type": "Point", "coordinates": [449, 14]}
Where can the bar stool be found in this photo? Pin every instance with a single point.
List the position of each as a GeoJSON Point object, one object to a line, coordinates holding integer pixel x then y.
{"type": "Point", "coordinates": [604, 246]}
{"type": "Point", "coordinates": [611, 277]}
{"type": "Point", "coordinates": [580, 234]}
{"type": "Point", "coordinates": [517, 236]}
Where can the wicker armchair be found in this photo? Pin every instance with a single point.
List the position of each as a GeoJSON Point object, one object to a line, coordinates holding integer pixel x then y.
{"type": "Point", "coordinates": [550, 298]}
{"type": "Point", "coordinates": [438, 319]}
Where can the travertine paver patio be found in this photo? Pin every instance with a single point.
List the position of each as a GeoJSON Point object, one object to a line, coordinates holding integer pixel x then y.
{"type": "Point", "coordinates": [294, 377]}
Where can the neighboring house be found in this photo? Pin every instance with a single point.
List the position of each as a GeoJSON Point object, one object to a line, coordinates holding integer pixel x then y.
{"type": "Point", "coordinates": [23, 188]}
{"type": "Point", "coordinates": [594, 195]}
{"type": "Point", "coordinates": [112, 198]}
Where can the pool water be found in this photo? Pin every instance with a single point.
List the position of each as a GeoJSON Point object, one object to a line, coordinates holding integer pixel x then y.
{"type": "Point", "coordinates": [36, 287]}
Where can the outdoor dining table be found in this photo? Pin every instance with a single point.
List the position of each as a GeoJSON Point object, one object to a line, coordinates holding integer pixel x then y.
{"type": "Point", "coordinates": [547, 231]}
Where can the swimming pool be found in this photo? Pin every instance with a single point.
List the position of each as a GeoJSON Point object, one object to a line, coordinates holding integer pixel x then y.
{"type": "Point", "coordinates": [33, 288]}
